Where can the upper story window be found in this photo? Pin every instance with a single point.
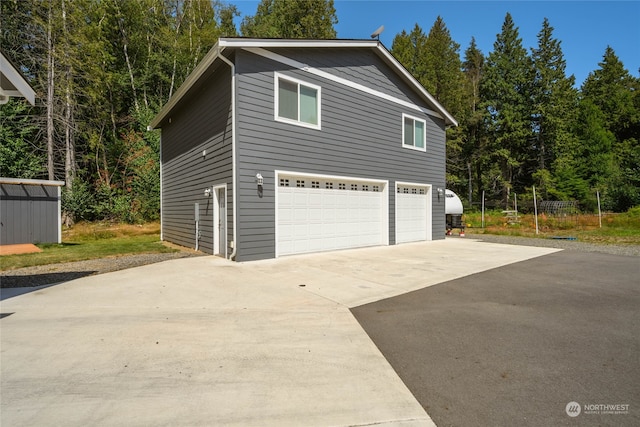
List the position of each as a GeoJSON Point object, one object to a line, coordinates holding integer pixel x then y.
{"type": "Point", "coordinates": [297, 102]}
{"type": "Point", "coordinates": [414, 133]}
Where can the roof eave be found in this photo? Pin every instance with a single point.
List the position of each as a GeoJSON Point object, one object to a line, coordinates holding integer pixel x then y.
{"type": "Point", "coordinates": [448, 118]}
{"type": "Point", "coordinates": [17, 80]}
{"type": "Point", "coordinates": [292, 43]}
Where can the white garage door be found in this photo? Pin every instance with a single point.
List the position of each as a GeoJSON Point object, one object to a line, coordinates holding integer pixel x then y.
{"type": "Point", "coordinates": [412, 213]}
{"type": "Point", "coordinates": [325, 213]}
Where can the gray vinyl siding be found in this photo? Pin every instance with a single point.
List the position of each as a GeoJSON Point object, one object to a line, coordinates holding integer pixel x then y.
{"type": "Point", "coordinates": [29, 214]}
{"type": "Point", "coordinates": [202, 121]}
{"type": "Point", "coordinates": [360, 136]}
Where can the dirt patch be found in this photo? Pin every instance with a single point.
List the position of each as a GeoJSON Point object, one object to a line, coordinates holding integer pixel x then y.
{"type": "Point", "coordinates": [25, 248]}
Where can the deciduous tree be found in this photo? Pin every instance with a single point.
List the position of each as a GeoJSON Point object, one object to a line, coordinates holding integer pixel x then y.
{"type": "Point", "coordinates": [292, 19]}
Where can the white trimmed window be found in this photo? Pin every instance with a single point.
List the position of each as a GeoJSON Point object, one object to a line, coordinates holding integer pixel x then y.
{"type": "Point", "coordinates": [297, 102]}
{"type": "Point", "coordinates": [414, 133]}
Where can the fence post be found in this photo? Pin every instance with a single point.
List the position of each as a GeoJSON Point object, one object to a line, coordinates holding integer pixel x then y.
{"type": "Point", "coordinates": [535, 207]}
{"type": "Point", "coordinates": [599, 211]}
{"type": "Point", "coordinates": [482, 208]}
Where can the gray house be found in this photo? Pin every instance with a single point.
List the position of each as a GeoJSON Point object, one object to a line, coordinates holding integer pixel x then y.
{"type": "Point", "coordinates": [276, 147]}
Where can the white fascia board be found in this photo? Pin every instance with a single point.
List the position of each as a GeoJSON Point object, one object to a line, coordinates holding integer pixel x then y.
{"type": "Point", "coordinates": [291, 43]}
{"type": "Point", "coordinates": [195, 75]}
{"type": "Point", "coordinates": [407, 75]}
{"type": "Point", "coordinates": [20, 181]}
{"type": "Point", "coordinates": [16, 79]}
{"type": "Point", "coordinates": [331, 77]}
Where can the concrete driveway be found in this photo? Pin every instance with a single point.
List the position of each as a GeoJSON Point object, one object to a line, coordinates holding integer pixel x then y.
{"type": "Point", "coordinates": [204, 341]}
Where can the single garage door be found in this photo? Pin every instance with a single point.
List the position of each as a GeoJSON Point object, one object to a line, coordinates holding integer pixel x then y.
{"type": "Point", "coordinates": [326, 213]}
{"type": "Point", "coordinates": [413, 222]}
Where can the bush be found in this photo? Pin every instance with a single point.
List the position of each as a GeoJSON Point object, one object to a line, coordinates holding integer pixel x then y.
{"type": "Point", "coordinates": [78, 202]}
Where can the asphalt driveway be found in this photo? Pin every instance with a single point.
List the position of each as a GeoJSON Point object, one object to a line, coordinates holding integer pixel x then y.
{"type": "Point", "coordinates": [515, 345]}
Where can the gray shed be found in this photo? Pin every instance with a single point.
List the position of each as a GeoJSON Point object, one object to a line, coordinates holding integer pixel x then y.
{"type": "Point", "coordinates": [30, 211]}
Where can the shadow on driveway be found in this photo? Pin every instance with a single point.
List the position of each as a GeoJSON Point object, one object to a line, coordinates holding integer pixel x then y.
{"type": "Point", "coordinates": [17, 285]}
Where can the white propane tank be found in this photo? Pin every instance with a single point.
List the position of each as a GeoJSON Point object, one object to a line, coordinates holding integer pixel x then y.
{"type": "Point", "coordinates": [452, 203]}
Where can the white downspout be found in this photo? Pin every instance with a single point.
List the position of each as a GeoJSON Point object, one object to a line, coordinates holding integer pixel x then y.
{"type": "Point", "coordinates": [233, 151]}
{"type": "Point", "coordinates": [60, 214]}
{"type": "Point", "coordinates": [161, 187]}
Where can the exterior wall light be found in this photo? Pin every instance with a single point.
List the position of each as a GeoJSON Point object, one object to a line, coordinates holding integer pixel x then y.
{"type": "Point", "coordinates": [207, 192]}
{"type": "Point", "coordinates": [440, 192]}
{"type": "Point", "coordinates": [260, 182]}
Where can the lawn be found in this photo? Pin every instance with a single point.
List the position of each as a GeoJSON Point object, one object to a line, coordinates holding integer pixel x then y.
{"type": "Point", "coordinates": [99, 240]}
{"type": "Point", "coordinates": [90, 241]}
{"type": "Point", "coordinates": [619, 229]}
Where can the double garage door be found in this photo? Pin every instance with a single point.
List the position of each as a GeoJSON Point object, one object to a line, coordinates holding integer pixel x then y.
{"type": "Point", "coordinates": [317, 213]}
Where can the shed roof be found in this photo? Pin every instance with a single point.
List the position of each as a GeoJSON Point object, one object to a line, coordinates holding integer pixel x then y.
{"type": "Point", "coordinates": [12, 83]}
{"type": "Point", "coordinates": [24, 181]}
{"type": "Point", "coordinates": [244, 43]}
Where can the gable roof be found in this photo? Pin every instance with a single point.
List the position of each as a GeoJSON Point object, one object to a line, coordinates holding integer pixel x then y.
{"type": "Point", "coordinates": [12, 83]}
{"type": "Point", "coordinates": [245, 43]}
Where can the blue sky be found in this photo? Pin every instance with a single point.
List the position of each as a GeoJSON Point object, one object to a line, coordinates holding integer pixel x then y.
{"type": "Point", "coordinates": [585, 28]}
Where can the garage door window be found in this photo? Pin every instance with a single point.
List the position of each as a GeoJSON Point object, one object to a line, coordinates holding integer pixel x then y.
{"type": "Point", "coordinates": [413, 133]}
{"type": "Point", "coordinates": [297, 102]}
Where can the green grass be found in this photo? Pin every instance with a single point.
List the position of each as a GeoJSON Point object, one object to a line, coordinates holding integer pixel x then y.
{"type": "Point", "coordinates": [616, 228]}
{"type": "Point", "coordinates": [91, 241]}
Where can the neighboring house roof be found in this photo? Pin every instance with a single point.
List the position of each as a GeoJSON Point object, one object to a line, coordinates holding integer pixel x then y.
{"type": "Point", "coordinates": [12, 83]}
{"type": "Point", "coordinates": [257, 44]}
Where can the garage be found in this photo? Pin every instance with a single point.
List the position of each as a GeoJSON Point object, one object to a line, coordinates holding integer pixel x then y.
{"type": "Point", "coordinates": [413, 212]}
{"type": "Point", "coordinates": [320, 213]}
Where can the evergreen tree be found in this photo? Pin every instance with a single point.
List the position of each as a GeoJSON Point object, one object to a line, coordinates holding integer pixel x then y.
{"type": "Point", "coordinates": [292, 19]}
{"type": "Point", "coordinates": [505, 88]}
{"type": "Point", "coordinates": [472, 122]}
{"type": "Point", "coordinates": [227, 26]}
{"type": "Point", "coordinates": [554, 98]}
{"type": "Point", "coordinates": [616, 94]}
{"type": "Point", "coordinates": [409, 50]}
{"type": "Point", "coordinates": [442, 75]}
{"type": "Point", "coordinates": [591, 156]}
{"type": "Point", "coordinates": [434, 60]}
{"type": "Point", "coordinates": [614, 91]}
{"type": "Point", "coordinates": [443, 78]}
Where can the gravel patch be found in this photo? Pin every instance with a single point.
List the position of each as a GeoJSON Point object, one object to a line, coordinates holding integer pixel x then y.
{"type": "Point", "coordinates": [57, 273]}
{"type": "Point", "coordinates": [572, 245]}
{"type": "Point", "coordinates": [63, 272]}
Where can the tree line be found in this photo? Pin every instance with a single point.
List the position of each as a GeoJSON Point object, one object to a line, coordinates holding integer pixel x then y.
{"type": "Point", "coordinates": [103, 69]}
{"type": "Point", "coordinates": [522, 121]}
